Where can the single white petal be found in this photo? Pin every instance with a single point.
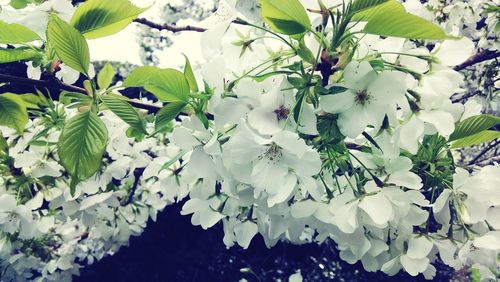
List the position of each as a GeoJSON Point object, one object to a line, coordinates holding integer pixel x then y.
{"type": "Point", "coordinates": [337, 103]}
{"type": "Point", "coordinates": [405, 179]}
{"type": "Point", "coordinates": [244, 233]}
{"type": "Point", "coordinates": [442, 121]}
{"type": "Point", "coordinates": [378, 208]}
{"type": "Point", "coordinates": [414, 266]}
{"type": "Point", "coordinates": [454, 52]}
{"type": "Point", "coordinates": [358, 75]}
{"type": "Point", "coordinates": [303, 209]}
{"type": "Point", "coordinates": [419, 247]}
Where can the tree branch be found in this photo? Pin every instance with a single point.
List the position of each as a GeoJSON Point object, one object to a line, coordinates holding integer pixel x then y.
{"type": "Point", "coordinates": [478, 58]}
{"type": "Point", "coordinates": [168, 27]}
{"type": "Point", "coordinates": [484, 151]}
{"type": "Point", "coordinates": [490, 161]}
{"type": "Point", "coordinates": [55, 83]}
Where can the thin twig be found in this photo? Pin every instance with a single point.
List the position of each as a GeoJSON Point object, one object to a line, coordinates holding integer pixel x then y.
{"type": "Point", "coordinates": [137, 177]}
{"type": "Point", "coordinates": [490, 161]}
{"type": "Point", "coordinates": [484, 151]}
{"type": "Point", "coordinates": [478, 58]}
{"type": "Point", "coordinates": [168, 27]}
{"type": "Point", "coordinates": [55, 83]}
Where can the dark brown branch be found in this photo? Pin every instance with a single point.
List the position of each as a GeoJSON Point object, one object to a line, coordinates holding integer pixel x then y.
{"type": "Point", "coordinates": [492, 145]}
{"type": "Point", "coordinates": [55, 83]}
{"type": "Point", "coordinates": [478, 58]}
{"type": "Point", "coordinates": [490, 161]}
{"type": "Point", "coordinates": [168, 27]}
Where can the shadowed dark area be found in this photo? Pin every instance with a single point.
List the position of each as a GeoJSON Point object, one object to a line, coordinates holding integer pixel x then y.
{"type": "Point", "coordinates": [173, 250]}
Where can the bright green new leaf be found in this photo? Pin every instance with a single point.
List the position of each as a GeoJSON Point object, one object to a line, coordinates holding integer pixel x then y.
{"type": "Point", "coordinates": [169, 85]}
{"type": "Point", "coordinates": [99, 18]}
{"type": "Point", "coordinates": [188, 73]}
{"type": "Point", "coordinates": [125, 111]}
{"type": "Point", "coordinates": [18, 54]}
{"type": "Point", "coordinates": [140, 76]}
{"type": "Point", "coordinates": [390, 19]}
{"type": "Point", "coordinates": [106, 75]}
{"type": "Point", "coordinates": [71, 47]}
{"type": "Point", "coordinates": [81, 146]}
{"type": "Point", "coordinates": [13, 112]}
{"type": "Point", "coordinates": [285, 16]}
{"type": "Point", "coordinates": [167, 114]}
{"type": "Point", "coordinates": [473, 125]}
{"type": "Point", "coordinates": [16, 33]}
{"type": "Point", "coordinates": [360, 5]}
{"type": "Point", "coordinates": [476, 139]}
{"type": "Point", "coordinates": [4, 147]}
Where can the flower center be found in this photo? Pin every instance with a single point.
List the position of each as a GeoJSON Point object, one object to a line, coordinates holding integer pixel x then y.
{"type": "Point", "coordinates": [273, 153]}
{"type": "Point", "coordinates": [362, 98]}
{"type": "Point", "coordinates": [282, 113]}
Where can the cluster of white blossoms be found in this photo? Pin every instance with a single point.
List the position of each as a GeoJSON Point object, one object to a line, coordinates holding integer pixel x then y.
{"type": "Point", "coordinates": [293, 143]}
{"type": "Point", "coordinates": [47, 234]}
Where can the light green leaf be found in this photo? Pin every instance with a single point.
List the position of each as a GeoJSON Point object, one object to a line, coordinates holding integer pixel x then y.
{"type": "Point", "coordinates": [4, 147]}
{"type": "Point", "coordinates": [70, 46]}
{"type": "Point", "coordinates": [13, 112]}
{"type": "Point", "coordinates": [125, 111]}
{"type": "Point", "coordinates": [140, 76]}
{"type": "Point", "coordinates": [285, 16]}
{"type": "Point", "coordinates": [188, 73]}
{"type": "Point", "coordinates": [106, 75]}
{"type": "Point", "coordinates": [473, 125]}
{"type": "Point", "coordinates": [16, 33]}
{"type": "Point", "coordinates": [18, 4]}
{"type": "Point", "coordinates": [360, 5]}
{"type": "Point", "coordinates": [167, 114]}
{"type": "Point", "coordinates": [390, 19]}
{"type": "Point", "coordinates": [169, 85]}
{"type": "Point", "coordinates": [81, 146]}
{"type": "Point", "coordinates": [476, 139]}
{"type": "Point", "coordinates": [99, 18]}
{"type": "Point", "coordinates": [18, 54]}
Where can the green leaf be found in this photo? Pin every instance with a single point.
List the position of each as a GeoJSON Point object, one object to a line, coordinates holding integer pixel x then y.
{"type": "Point", "coordinates": [13, 112]}
{"type": "Point", "coordinates": [473, 125]}
{"type": "Point", "coordinates": [169, 85]}
{"type": "Point", "coordinates": [305, 53]}
{"type": "Point", "coordinates": [106, 75]}
{"type": "Point", "coordinates": [373, 11]}
{"type": "Point", "coordinates": [70, 46]}
{"type": "Point", "coordinates": [18, 4]}
{"type": "Point", "coordinates": [167, 114]}
{"type": "Point", "coordinates": [125, 111]}
{"type": "Point", "coordinates": [4, 147]}
{"type": "Point", "coordinates": [140, 76]}
{"type": "Point", "coordinates": [16, 33]}
{"type": "Point", "coordinates": [188, 73]}
{"type": "Point", "coordinates": [390, 19]}
{"type": "Point", "coordinates": [99, 18]}
{"type": "Point", "coordinates": [476, 139]}
{"type": "Point", "coordinates": [285, 16]}
{"type": "Point", "coordinates": [18, 54]}
{"type": "Point", "coordinates": [81, 146]}
{"type": "Point", "coordinates": [360, 5]}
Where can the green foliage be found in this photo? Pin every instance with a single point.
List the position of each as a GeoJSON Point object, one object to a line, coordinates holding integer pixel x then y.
{"type": "Point", "coordinates": [140, 76]}
{"type": "Point", "coordinates": [476, 139]}
{"type": "Point", "coordinates": [18, 54]}
{"type": "Point", "coordinates": [473, 125]}
{"type": "Point", "coordinates": [168, 85]}
{"type": "Point", "coordinates": [390, 19]}
{"type": "Point", "coordinates": [19, 4]}
{"type": "Point", "coordinates": [4, 147]}
{"type": "Point", "coordinates": [16, 33]}
{"type": "Point", "coordinates": [188, 73]}
{"type": "Point", "coordinates": [167, 114]}
{"type": "Point", "coordinates": [70, 46]}
{"type": "Point", "coordinates": [99, 18]}
{"type": "Point", "coordinates": [125, 111]}
{"type": "Point", "coordinates": [105, 77]}
{"type": "Point", "coordinates": [285, 16]}
{"type": "Point", "coordinates": [13, 112]}
{"type": "Point", "coordinates": [360, 5]}
{"type": "Point", "coordinates": [82, 145]}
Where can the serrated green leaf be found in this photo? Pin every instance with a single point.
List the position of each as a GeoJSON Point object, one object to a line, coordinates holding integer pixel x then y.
{"type": "Point", "coordinates": [188, 73]}
{"type": "Point", "coordinates": [390, 19]}
{"type": "Point", "coordinates": [16, 33]}
{"type": "Point", "coordinates": [106, 75]}
{"type": "Point", "coordinates": [70, 46]}
{"type": "Point", "coordinates": [169, 85]}
{"type": "Point", "coordinates": [125, 111]}
{"type": "Point", "coordinates": [167, 114]}
{"type": "Point", "coordinates": [473, 125]}
{"type": "Point", "coordinates": [18, 54]}
{"type": "Point", "coordinates": [140, 76]}
{"type": "Point", "coordinates": [476, 139]}
{"type": "Point", "coordinates": [361, 5]}
{"type": "Point", "coordinates": [99, 18]}
{"type": "Point", "coordinates": [13, 112]}
{"type": "Point", "coordinates": [81, 146]}
{"type": "Point", "coordinates": [285, 16]}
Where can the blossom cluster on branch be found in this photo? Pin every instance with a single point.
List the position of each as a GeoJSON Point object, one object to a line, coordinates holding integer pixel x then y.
{"type": "Point", "coordinates": [334, 120]}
